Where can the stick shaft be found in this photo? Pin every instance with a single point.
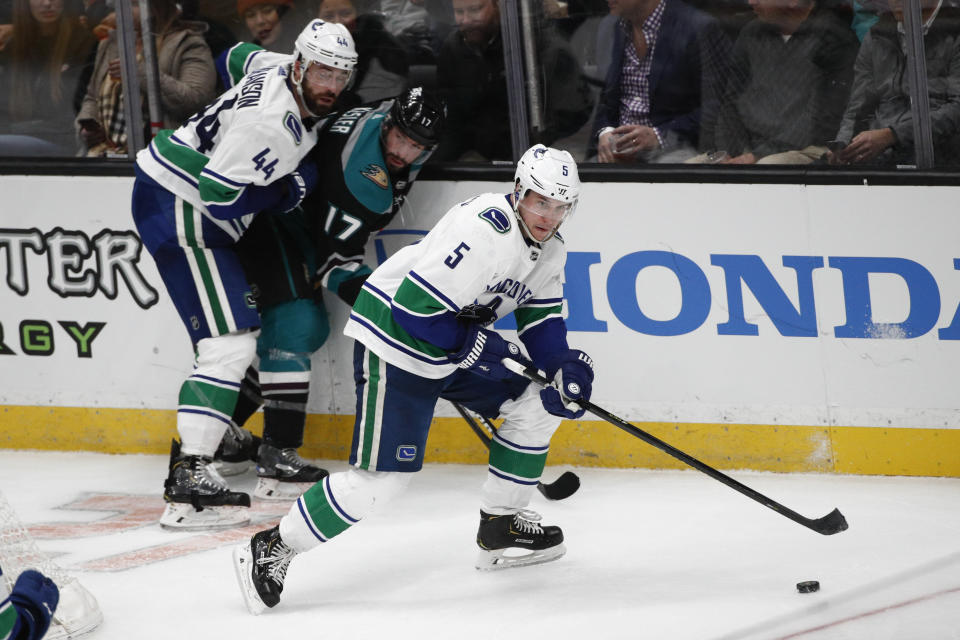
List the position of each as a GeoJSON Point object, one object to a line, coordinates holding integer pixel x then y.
{"type": "Point", "coordinates": [827, 525]}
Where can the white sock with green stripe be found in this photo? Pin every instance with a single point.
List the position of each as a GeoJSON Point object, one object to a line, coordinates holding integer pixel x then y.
{"type": "Point", "coordinates": [334, 504]}
{"type": "Point", "coordinates": [512, 475]}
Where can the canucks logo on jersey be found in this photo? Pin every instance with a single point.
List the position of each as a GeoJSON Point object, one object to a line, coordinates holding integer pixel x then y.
{"type": "Point", "coordinates": [376, 174]}
{"type": "Point", "coordinates": [497, 219]}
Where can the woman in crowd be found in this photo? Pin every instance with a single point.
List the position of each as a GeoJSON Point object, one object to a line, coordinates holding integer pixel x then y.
{"type": "Point", "coordinates": [41, 65]}
{"type": "Point", "coordinates": [186, 72]}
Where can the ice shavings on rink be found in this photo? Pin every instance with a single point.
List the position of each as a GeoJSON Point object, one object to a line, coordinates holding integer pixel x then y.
{"type": "Point", "coordinates": [651, 554]}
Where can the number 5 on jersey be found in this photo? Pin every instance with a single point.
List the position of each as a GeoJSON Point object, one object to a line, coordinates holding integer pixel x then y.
{"type": "Point", "coordinates": [454, 258]}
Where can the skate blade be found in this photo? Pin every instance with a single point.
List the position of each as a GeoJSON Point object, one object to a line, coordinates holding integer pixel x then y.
{"type": "Point", "coordinates": [273, 489]}
{"type": "Point", "coordinates": [181, 516]}
{"type": "Point", "coordinates": [515, 557]}
{"type": "Point", "coordinates": [243, 567]}
{"type": "Point", "coordinates": [228, 469]}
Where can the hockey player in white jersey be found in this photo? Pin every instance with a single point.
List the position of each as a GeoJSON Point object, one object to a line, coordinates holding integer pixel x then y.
{"type": "Point", "coordinates": [197, 190]}
{"type": "Point", "coordinates": [421, 325]}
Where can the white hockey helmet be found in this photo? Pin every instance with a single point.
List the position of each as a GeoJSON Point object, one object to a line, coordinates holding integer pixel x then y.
{"type": "Point", "coordinates": [328, 43]}
{"type": "Point", "coordinates": [551, 173]}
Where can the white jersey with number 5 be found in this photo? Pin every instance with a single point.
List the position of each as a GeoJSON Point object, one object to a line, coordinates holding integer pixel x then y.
{"type": "Point", "coordinates": [251, 135]}
{"type": "Point", "coordinates": [475, 254]}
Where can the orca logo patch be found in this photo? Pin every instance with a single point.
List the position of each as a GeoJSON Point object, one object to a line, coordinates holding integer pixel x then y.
{"type": "Point", "coordinates": [292, 124]}
{"type": "Point", "coordinates": [497, 219]}
{"type": "Point", "coordinates": [406, 453]}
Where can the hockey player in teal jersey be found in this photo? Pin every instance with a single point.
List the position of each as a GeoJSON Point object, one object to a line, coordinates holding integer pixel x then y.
{"type": "Point", "coordinates": [421, 324]}
{"type": "Point", "coordinates": [367, 159]}
{"type": "Point", "coordinates": [26, 613]}
{"type": "Point", "coordinates": [197, 190]}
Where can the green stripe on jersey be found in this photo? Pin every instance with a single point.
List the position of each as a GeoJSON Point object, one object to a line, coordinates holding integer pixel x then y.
{"type": "Point", "coordinates": [527, 316]}
{"type": "Point", "coordinates": [8, 618]}
{"type": "Point", "coordinates": [517, 463]}
{"type": "Point", "coordinates": [197, 393]}
{"type": "Point", "coordinates": [189, 160]}
{"type": "Point", "coordinates": [237, 59]}
{"type": "Point", "coordinates": [378, 313]}
{"type": "Point", "coordinates": [413, 297]}
{"type": "Point", "coordinates": [321, 512]}
{"type": "Point", "coordinates": [216, 192]}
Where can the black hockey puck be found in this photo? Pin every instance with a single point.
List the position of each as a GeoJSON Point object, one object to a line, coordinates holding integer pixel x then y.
{"type": "Point", "coordinates": [808, 586]}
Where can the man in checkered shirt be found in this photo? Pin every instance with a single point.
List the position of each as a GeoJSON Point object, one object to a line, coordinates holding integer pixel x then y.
{"type": "Point", "coordinates": [661, 95]}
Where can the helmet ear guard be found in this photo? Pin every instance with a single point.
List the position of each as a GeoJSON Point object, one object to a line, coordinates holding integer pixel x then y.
{"type": "Point", "coordinates": [551, 173]}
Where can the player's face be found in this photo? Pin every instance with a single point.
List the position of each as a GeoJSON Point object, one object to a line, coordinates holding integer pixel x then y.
{"type": "Point", "coordinates": [322, 85]}
{"type": "Point", "coordinates": [541, 214]}
{"type": "Point", "coordinates": [399, 150]}
{"type": "Point", "coordinates": [263, 22]}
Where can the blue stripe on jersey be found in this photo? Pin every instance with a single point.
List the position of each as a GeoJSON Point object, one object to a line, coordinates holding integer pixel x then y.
{"type": "Point", "coordinates": [436, 292]}
{"type": "Point", "coordinates": [394, 343]}
{"type": "Point", "coordinates": [223, 178]}
{"type": "Point", "coordinates": [172, 168]}
{"type": "Point", "coordinates": [511, 478]}
{"type": "Point", "coordinates": [543, 301]}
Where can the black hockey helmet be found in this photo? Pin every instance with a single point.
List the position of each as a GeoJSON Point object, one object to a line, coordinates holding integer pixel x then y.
{"type": "Point", "coordinates": [419, 115]}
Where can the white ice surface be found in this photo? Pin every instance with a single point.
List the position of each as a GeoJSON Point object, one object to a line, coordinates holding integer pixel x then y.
{"type": "Point", "coordinates": [661, 555]}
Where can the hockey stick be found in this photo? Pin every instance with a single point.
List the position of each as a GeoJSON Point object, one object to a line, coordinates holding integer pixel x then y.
{"type": "Point", "coordinates": [563, 487]}
{"type": "Point", "coordinates": [832, 523]}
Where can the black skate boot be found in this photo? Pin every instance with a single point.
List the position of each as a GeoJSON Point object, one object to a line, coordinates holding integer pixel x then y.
{"type": "Point", "coordinates": [198, 498]}
{"type": "Point", "coordinates": [237, 451]}
{"type": "Point", "coordinates": [261, 567]}
{"type": "Point", "coordinates": [283, 474]}
{"type": "Point", "coordinates": [516, 540]}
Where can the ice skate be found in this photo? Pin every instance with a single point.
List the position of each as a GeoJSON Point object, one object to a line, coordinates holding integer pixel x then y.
{"type": "Point", "coordinates": [198, 497]}
{"type": "Point", "coordinates": [237, 452]}
{"type": "Point", "coordinates": [261, 567]}
{"type": "Point", "coordinates": [283, 474]}
{"type": "Point", "coordinates": [516, 540]}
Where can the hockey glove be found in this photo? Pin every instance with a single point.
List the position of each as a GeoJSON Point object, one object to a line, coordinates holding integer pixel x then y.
{"type": "Point", "coordinates": [482, 353]}
{"type": "Point", "coordinates": [297, 184]}
{"type": "Point", "coordinates": [572, 374]}
{"type": "Point", "coordinates": [35, 598]}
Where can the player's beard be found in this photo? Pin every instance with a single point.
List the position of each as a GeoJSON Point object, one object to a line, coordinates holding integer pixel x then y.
{"type": "Point", "coordinates": [320, 103]}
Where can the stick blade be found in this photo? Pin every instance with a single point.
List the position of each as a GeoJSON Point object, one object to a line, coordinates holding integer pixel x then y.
{"type": "Point", "coordinates": [563, 487]}
{"type": "Point", "coordinates": [832, 523]}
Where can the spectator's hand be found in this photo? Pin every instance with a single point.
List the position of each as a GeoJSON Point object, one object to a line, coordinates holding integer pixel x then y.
{"type": "Point", "coordinates": [866, 146]}
{"type": "Point", "coordinates": [743, 158]}
{"type": "Point", "coordinates": [6, 30]}
{"type": "Point", "coordinates": [625, 142]}
{"type": "Point", "coordinates": [91, 133]}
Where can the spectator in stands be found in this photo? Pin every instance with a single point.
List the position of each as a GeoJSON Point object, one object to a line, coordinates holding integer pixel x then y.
{"type": "Point", "coordinates": [789, 84]}
{"type": "Point", "coordinates": [186, 74]}
{"type": "Point", "coordinates": [661, 96]}
{"type": "Point", "coordinates": [420, 25]}
{"type": "Point", "coordinates": [472, 78]}
{"type": "Point", "coordinates": [381, 70]}
{"type": "Point", "coordinates": [41, 64]}
{"type": "Point", "coordinates": [877, 127]}
{"type": "Point", "coordinates": [6, 22]}
{"type": "Point", "coordinates": [273, 24]}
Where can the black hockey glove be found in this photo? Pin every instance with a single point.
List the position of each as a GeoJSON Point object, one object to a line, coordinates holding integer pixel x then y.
{"type": "Point", "coordinates": [35, 598]}
{"type": "Point", "coordinates": [482, 352]}
{"type": "Point", "coordinates": [477, 314]}
{"type": "Point", "coordinates": [297, 184]}
{"type": "Point", "coordinates": [572, 373]}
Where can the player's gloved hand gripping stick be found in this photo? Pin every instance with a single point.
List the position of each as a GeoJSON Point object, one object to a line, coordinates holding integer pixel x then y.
{"type": "Point", "coordinates": [832, 523]}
